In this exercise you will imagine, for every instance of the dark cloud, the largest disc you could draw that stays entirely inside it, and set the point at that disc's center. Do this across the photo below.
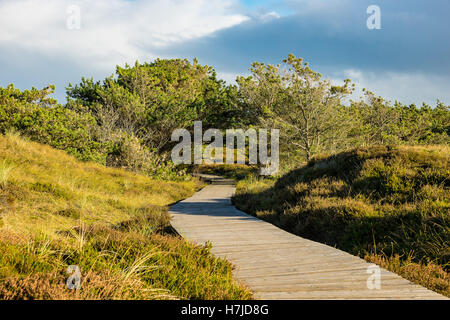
(330, 34)
(414, 38)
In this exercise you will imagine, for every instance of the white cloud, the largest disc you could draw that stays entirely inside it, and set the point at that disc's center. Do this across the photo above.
(406, 87)
(112, 31)
(270, 16)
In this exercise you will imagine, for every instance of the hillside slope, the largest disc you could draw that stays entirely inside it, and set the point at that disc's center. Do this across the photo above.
(56, 211)
(389, 204)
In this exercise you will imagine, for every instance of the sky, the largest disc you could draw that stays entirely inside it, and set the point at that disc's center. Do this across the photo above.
(57, 42)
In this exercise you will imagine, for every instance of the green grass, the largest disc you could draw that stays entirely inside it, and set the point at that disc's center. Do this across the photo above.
(56, 211)
(230, 171)
(5, 171)
(388, 204)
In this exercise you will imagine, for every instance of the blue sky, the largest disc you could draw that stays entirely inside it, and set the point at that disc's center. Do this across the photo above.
(408, 59)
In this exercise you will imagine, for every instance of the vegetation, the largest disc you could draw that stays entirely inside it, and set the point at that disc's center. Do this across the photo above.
(313, 116)
(56, 211)
(35, 115)
(230, 171)
(296, 100)
(368, 176)
(387, 203)
(145, 103)
(127, 119)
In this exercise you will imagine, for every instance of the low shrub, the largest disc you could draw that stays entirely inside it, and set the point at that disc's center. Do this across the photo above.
(375, 200)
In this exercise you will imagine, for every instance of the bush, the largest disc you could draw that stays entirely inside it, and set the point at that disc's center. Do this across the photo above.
(34, 115)
(377, 200)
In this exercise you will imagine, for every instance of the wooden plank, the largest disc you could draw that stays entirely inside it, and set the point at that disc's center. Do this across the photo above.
(276, 264)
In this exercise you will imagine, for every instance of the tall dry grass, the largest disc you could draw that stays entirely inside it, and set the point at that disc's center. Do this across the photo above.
(56, 211)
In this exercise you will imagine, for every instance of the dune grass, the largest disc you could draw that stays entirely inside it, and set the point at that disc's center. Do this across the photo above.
(113, 224)
(387, 204)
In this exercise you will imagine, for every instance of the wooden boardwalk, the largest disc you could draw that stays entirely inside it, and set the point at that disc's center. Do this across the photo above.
(275, 264)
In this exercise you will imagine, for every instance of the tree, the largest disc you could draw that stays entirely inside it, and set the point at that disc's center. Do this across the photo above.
(296, 100)
(377, 118)
(151, 100)
(34, 114)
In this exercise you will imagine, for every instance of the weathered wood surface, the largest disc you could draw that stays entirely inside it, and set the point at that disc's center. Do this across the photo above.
(275, 264)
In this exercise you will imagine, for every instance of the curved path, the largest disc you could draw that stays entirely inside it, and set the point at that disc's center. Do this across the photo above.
(275, 264)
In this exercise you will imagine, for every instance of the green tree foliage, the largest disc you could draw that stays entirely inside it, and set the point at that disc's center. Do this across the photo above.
(295, 99)
(127, 119)
(39, 117)
(151, 100)
(313, 116)
(376, 121)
